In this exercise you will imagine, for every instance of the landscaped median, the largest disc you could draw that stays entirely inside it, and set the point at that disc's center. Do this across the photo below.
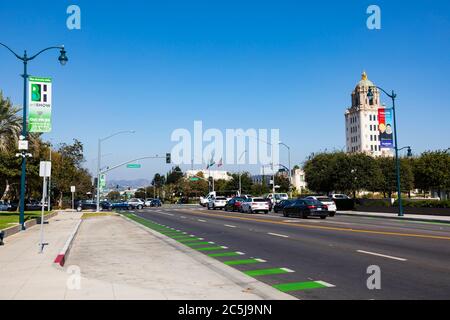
(9, 221)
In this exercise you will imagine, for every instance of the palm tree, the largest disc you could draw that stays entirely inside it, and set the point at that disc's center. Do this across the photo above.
(10, 124)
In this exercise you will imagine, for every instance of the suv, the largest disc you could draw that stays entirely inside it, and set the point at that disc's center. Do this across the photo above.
(252, 205)
(90, 204)
(217, 203)
(136, 203)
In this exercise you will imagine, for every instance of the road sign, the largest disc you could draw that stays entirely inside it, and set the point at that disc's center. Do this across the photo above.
(45, 169)
(133, 166)
(40, 104)
(195, 179)
(72, 188)
(23, 144)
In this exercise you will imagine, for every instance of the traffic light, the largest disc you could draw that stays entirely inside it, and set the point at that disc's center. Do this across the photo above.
(168, 160)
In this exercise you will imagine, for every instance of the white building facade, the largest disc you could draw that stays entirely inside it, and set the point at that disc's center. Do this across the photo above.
(361, 121)
(216, 174)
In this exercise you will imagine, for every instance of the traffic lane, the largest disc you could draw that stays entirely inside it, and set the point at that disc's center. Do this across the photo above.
(414, 248)
(321, 261)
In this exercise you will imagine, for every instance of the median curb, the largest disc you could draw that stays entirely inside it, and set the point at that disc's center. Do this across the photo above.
(246, 282)
(368, 215)
(62, 256)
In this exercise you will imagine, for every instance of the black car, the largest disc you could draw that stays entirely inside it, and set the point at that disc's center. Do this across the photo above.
(34, 205)
(280, 205)
(92, 205)
(155, 203)
(305, 207)
(234, 204)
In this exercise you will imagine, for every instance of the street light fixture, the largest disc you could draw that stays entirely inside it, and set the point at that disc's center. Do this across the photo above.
(393, 95)
(25, 59)
(99, 157)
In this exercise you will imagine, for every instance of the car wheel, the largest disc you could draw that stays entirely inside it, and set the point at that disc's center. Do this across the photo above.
(332, 214)
(130, 208)
(323, 217)
(304, 215)
(139, 207)
(285, 214)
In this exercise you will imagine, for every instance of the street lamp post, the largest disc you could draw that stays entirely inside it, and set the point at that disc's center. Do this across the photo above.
(393, 95)
(99, 161)
(25, 59)
(289, 164)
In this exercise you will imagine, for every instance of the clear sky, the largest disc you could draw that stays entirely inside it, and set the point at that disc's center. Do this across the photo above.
(155, 66)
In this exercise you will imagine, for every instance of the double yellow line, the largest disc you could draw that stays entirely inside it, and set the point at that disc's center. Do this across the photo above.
(412, 235)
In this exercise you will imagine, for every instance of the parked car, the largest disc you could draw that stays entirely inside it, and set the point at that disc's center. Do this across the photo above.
(277, 197)
(328, 202)
(306, 207)
(269, 201)
(280, 205)
(234, 204)
(217, 203)
(92, 205)
(136, 203)
(4, 206)
(34, 205)
(252, 205)
(147, 202)
(339, 196)
(204, 201)
(155, 203)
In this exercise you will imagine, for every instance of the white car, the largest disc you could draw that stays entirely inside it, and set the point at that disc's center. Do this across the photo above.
(326, 201)
(4, 206)
(136, 203)
(277, 197)
(148, 202)
(251, 205)
(217, 203)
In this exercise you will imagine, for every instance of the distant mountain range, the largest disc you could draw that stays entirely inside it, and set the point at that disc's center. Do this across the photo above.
(137, 183)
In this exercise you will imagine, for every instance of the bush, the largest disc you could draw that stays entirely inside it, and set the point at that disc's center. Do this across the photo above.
(424, 204)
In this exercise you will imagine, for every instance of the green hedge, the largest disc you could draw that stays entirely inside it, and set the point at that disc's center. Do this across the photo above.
(424, 204)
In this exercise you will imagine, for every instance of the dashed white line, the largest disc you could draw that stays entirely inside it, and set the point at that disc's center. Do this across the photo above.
(381, 255)
(201, 220)
(278, 235)
(287, 270)
(260, 260)
(326, 284)
(230, 226)
(240, 253)
(223, 247)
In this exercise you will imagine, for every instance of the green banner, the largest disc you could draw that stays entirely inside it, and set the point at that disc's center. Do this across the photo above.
(102, 181)
(39, 104)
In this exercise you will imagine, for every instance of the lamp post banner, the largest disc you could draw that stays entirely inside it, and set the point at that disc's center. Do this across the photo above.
(39, 104)
(386, 128)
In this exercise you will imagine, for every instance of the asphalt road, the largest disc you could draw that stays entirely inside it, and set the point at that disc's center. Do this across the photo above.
(317, 259)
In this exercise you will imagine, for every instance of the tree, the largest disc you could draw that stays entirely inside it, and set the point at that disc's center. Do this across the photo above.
(174, 176)
(387, 182)
(432, 171)
(10, 124)
(114, 195)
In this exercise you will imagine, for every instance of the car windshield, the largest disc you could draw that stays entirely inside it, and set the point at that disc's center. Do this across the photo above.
(324, 199)
(259, 200)
(311, 202)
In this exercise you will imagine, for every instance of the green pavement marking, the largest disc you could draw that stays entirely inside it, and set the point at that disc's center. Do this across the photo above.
(196, 243)
(187, 239)
(209, 248)
(297, 286)
(265, 272)
(180, 237)
(427, 222)
(224, 254)
(240, 262)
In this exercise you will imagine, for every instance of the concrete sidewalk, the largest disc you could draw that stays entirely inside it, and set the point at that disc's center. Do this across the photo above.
(411, 217)
(138, 263)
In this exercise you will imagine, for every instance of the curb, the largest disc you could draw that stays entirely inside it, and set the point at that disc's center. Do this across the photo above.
(391, 218)
(259, 288)
(28, 224)
(64, 253)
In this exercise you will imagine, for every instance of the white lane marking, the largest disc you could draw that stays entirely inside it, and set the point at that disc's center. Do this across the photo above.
(184, 232)
(183, 217)
(240, 253)
(223, 247)
(201, 238)
(201, 220)
(381, 255)
(191, 235)
(287, 270)
(211, 242)
(260, 260)
(278, 235)
(336, 222)
(230, 226)
(326, 284)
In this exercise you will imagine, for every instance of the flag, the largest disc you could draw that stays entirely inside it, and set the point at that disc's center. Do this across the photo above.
(220, 163)
(211, 164)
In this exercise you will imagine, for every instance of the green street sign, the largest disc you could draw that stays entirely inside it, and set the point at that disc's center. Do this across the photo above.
(133, 166)
(195, 179)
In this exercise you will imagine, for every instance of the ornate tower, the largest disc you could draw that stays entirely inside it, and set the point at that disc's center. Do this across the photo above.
(361, 121)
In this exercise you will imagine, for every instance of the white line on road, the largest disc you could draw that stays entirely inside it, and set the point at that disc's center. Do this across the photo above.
(381, 255)
(183, 217)
(230, 226)
(201, 220)
(211, 242)
(223, 247)
(287, 270)
(278, 235)
(260, 260)
(326, 284)
(240, 253)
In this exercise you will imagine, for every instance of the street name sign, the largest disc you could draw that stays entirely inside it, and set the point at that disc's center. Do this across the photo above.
(133, 166)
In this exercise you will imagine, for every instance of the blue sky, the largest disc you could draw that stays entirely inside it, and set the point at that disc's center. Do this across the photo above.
(155, 66)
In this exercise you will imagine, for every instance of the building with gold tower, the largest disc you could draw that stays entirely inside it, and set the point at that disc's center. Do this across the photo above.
(361, 121)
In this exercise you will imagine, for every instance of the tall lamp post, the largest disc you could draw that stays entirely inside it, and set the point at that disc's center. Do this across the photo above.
(393, 96)
(25, 59)
(99, 159)
(289, 164)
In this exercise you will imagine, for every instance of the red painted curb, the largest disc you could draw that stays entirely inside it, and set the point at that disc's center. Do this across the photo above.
(60, 259)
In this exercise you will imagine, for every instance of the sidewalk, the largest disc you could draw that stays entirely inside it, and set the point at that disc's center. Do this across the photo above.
(117, 259)
(410, 217)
